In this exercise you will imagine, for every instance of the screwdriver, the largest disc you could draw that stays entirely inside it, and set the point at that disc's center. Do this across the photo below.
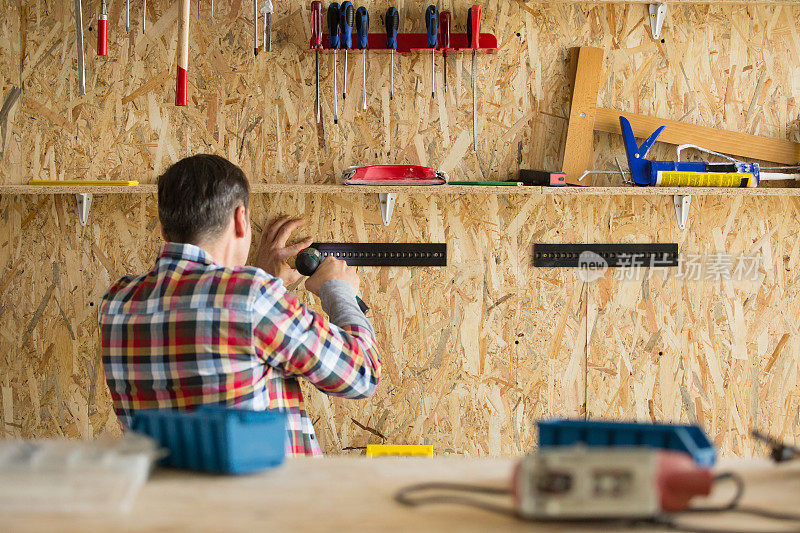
(316, 44)
(346, 23)
(362, 27)
(255, 27)
(127, 15)
(473, 36)
(267, 39)
(102, 30)
(392, 23)
(432, 25)
(333, 42)
(444, 20)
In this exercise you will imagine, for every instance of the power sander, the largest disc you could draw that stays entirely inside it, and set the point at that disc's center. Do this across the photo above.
(307, 262)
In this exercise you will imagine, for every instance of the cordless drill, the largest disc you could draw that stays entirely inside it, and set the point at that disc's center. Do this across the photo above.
(307, 262)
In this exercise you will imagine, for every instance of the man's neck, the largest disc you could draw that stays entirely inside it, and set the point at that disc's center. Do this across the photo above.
(222, 253)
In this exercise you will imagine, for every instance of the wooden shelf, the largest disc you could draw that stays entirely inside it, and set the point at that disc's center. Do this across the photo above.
(293, 188)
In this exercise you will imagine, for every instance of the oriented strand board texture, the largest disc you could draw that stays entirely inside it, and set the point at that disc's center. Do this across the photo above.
(475, 353)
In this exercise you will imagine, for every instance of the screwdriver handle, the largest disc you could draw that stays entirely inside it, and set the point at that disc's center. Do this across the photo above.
(333, 25)
(392, 24)
(362, 27)
(432, 25)
(444, 30)
(474, 26)
(316, 25)
(346, 15)
(102, 31)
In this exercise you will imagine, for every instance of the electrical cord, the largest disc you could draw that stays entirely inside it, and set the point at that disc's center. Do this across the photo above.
(406, 496)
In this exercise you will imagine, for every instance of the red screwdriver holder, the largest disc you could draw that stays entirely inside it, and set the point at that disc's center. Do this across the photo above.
(412, 42)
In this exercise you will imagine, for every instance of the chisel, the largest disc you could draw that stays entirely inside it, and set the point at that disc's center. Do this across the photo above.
(211, 15)
(362, 28)
(346, 29)
(392, 24)
(255, 27)
(144, 16)
(444, 44)
(432, 25)
(333, 43)
(102, 30)
(267, 40)
(473, 36)
(127, 15)
(79, 47)
(181, 81)
(316, 44)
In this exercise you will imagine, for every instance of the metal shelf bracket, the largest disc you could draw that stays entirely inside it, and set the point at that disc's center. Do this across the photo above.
(657, 14)
(84, 201)
(387, 200)
(682, 202)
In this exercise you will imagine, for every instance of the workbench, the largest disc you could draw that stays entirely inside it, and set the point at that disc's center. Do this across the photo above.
(355, 494)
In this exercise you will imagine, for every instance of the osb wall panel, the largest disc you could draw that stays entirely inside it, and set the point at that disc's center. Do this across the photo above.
(732, 67)
(474, 353)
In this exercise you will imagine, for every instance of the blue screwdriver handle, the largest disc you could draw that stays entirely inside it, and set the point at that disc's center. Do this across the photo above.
(346, 14)
(432, 25)
(392, 22)
(362, 27)
(333, 25)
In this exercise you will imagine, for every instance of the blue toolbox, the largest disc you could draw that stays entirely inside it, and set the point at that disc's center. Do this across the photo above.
(684, 438)
(216, 439)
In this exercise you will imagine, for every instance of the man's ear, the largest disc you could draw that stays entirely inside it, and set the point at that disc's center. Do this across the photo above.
(240, 222)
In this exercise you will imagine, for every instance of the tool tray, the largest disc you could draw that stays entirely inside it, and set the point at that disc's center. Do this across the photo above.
(216, 439)
(684, 438)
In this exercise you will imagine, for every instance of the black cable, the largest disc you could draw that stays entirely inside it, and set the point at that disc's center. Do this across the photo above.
(731, 507)
(736, 478)
(403, 496)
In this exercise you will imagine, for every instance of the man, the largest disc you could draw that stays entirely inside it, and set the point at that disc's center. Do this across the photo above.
(203, 328)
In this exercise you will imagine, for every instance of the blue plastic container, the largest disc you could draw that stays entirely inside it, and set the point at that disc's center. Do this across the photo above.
(216, 439)
(684, 438)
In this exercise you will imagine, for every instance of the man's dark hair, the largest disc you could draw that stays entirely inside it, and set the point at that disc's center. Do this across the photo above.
(198, 195)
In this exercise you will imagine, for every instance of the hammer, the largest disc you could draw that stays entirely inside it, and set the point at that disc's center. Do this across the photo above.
(307, 262)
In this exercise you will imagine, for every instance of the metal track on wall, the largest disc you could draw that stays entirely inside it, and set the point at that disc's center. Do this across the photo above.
(605, 255)
(386, 254)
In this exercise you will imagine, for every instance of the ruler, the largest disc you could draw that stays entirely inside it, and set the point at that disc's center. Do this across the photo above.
(385, 254)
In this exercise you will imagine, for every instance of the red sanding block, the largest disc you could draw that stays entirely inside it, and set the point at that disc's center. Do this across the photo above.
(393, 175)
(542, 178)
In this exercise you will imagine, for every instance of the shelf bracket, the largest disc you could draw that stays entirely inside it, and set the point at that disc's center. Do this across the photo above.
(387, 200)
(657, 14)
(682, 202)
(84, 200)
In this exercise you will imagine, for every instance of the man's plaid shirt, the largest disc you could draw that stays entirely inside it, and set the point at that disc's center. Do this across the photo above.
(192, 332)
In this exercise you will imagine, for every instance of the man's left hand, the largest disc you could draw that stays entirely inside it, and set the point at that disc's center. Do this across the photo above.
(273, 254)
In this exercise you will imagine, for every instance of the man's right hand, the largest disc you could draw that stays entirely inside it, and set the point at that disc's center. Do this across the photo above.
(332, 268)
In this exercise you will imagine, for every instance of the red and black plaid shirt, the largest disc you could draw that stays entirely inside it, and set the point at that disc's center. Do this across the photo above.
(192, 332)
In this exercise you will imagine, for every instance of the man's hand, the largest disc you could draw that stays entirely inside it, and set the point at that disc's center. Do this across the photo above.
(332, 268)
(272, 254)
